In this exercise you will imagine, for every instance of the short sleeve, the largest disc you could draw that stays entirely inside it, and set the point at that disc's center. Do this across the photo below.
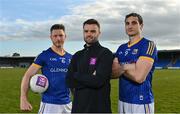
(149, 51)
(39, 60)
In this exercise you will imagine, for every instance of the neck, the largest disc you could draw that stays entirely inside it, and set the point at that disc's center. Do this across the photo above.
(58, 50)
(88, 45)
(133, 39)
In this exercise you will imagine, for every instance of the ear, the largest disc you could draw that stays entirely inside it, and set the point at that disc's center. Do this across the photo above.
(99, 31)
(50, 36)
(141, 26)
(65, 36)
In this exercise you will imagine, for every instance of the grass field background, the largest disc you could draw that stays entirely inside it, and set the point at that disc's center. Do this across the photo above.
(166, 88)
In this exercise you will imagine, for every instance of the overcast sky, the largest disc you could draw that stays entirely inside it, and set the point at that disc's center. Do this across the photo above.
(24, 24)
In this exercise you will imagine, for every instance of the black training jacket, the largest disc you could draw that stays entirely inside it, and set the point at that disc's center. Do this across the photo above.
(91, 92)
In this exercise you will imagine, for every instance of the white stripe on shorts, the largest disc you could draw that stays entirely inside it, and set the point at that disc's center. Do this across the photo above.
(41, 109)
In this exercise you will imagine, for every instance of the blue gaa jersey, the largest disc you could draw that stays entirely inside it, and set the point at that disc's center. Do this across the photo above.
(54, 67)
(129, 91)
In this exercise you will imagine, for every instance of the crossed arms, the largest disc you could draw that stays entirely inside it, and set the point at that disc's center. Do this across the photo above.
(136, 72)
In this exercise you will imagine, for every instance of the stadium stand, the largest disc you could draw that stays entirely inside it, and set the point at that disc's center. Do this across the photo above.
(177, 64)
(11, 62)
(167, 59)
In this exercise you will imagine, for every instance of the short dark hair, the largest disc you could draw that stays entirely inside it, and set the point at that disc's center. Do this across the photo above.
(91, 21)
(57, 26)
(140, 19)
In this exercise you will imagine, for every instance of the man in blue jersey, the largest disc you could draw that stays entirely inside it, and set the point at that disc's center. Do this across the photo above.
(134, 65)
(53, 63)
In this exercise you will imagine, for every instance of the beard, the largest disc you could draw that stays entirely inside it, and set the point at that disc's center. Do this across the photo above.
(90, 40)
(57, 44)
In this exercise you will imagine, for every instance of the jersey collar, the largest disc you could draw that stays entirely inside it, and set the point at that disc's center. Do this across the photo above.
(61, 54)
(130, 45)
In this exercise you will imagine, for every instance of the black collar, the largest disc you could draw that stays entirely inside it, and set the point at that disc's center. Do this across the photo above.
(93, 45)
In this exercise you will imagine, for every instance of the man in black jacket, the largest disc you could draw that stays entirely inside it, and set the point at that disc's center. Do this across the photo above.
(89, 73)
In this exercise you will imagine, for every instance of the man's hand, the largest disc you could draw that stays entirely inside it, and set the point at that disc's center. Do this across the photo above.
(25, 105)
(117, 69)
(94, 73)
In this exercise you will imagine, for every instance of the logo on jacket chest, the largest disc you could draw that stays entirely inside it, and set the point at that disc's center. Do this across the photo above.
(92, 61)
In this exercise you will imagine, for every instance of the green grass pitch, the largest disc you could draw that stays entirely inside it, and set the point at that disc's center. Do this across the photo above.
(166, 88)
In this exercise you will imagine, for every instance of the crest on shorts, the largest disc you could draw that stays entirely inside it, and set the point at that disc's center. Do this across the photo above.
(141, 97)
